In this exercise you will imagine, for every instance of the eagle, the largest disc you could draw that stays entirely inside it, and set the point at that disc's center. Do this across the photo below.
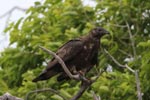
(79, 55)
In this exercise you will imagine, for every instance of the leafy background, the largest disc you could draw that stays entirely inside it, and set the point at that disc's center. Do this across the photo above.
(52, 23)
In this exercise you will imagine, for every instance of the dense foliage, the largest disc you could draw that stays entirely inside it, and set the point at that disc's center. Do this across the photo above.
(52, 23)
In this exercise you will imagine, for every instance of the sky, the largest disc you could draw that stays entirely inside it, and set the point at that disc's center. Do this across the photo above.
(7, 5)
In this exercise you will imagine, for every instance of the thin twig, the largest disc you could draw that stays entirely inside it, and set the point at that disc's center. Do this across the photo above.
(44, 90)
(130, 69)
(131, 39)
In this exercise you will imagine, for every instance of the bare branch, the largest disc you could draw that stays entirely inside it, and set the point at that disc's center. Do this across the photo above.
(44, 90)
(115, 61)
(130, 69)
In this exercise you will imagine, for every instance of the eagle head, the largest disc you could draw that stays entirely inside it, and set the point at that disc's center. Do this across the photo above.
(98, 32)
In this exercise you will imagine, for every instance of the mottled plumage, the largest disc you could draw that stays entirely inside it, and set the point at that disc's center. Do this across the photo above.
(78, 54)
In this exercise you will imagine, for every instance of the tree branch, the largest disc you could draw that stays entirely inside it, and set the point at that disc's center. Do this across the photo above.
(139, 93)
(115, 61)
(84, 86)
(62, 63)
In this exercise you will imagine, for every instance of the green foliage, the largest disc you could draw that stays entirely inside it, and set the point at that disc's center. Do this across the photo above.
(52, 23)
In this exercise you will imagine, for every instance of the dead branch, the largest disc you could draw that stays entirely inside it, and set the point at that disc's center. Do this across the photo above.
(44, 90)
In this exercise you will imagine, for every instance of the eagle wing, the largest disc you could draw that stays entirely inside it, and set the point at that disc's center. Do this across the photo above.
(67, 52)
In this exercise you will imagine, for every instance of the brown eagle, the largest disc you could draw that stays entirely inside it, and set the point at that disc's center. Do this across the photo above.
(78, 54)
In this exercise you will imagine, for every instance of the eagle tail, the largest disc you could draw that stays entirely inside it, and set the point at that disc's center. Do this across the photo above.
(62, 77)
(45, 75)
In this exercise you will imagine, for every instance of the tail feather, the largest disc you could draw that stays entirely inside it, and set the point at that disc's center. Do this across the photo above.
(45, 75)
(62, 77)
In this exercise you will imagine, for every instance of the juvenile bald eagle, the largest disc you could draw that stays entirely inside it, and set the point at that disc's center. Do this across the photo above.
(78, 54)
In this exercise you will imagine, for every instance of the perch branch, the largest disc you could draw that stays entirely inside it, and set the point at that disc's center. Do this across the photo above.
(43, 90)
(84, 86)
(139, 93)
(77, 77)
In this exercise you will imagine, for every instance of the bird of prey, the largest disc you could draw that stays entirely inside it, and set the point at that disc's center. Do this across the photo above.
(79, 54)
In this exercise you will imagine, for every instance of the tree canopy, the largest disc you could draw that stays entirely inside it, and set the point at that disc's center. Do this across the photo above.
(53, 22)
